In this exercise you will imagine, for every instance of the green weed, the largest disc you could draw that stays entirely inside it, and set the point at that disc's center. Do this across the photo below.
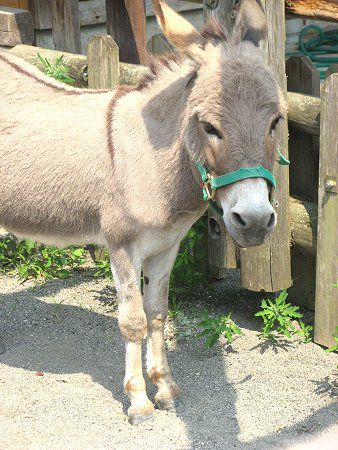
(32, 260)
(56, 69)
(278, 315)
(187, 273)
(103, 269)
(215, 327)
(306, 331)
(334, 347)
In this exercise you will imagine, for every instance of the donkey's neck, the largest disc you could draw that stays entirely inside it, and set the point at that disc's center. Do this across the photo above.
(146, 133)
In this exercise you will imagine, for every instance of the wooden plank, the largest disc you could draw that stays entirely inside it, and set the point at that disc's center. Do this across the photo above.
(103, 63)
(221, 249)
(304, 222)
(16, 27)
(319, 9)
(129, 73)
(126, 23)
(93, 12)
(326, 312)
(268, 267)
(22, 4)
(66, 25)
(158, 44)
(177, 5)
(304, 113)
(76, 63)
(303, 77)
(41, 11)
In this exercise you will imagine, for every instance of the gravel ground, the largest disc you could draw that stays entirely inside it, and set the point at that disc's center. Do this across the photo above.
(61, 372)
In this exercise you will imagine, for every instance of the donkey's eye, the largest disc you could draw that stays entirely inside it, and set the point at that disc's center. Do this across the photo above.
(273, 125)
(211, 130)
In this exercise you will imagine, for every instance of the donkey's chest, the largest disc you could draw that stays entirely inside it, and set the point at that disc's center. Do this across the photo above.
(156, 240)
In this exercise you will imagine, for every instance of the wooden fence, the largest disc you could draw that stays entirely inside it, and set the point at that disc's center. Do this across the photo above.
(306, 220)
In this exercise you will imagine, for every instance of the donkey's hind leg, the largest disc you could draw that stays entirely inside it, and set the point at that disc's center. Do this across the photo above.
(133, 325)
(156, 272)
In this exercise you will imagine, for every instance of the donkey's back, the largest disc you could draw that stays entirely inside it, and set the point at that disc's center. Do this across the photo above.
(54, 155)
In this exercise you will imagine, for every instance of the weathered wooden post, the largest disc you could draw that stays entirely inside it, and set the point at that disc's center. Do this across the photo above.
(103, 73)
(268, 267)
(221, 250)
(66, 25)
(326, 315)
(303, 77)
(103, 63)
(126, 23)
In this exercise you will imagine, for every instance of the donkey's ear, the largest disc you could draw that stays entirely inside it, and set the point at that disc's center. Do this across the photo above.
(179, 31)
(250, 22)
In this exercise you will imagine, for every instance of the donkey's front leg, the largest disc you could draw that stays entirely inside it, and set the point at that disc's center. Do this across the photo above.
(133, 325)
(156, 272)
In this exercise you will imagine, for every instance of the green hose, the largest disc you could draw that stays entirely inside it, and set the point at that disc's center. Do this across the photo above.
(318, 47)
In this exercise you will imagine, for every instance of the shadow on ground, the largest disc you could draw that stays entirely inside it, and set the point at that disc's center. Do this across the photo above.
(63, 339)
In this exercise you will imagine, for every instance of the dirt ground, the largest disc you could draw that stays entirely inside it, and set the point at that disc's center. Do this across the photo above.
(249, 396)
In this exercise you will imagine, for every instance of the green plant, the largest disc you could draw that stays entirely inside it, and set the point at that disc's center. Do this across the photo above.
(214, 327)
(306, 331)
(277, 316)
(32, 260)
(334, 347)
(187, 271)
(175, 308)
(103, 269)
(56, 69)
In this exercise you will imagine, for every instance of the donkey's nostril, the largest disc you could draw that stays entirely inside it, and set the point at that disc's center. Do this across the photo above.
(272, 221)
(238, 220)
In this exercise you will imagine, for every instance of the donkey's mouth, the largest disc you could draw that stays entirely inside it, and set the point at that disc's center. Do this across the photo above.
(248, 238)
(247, 212)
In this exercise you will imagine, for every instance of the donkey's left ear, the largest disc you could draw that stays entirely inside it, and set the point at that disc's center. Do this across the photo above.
(250, 22)
(179, 31)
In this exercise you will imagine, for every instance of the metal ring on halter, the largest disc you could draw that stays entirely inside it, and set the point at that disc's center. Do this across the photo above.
(210, 192)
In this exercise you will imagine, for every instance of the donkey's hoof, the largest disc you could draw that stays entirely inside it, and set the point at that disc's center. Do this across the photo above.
(168, 404)
(137, 419)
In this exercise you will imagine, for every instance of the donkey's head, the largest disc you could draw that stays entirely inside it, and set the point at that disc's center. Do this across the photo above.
(231, 115)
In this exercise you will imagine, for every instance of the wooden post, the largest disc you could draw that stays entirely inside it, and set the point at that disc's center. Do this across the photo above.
(326, 313)
(103, 73)
(41, 11)
(319, 9)
(66, 25)
(16, 27)
(268, 267)
(103, 63)
(221, 250)
(158, 45)
(303, 77)
(126, 23)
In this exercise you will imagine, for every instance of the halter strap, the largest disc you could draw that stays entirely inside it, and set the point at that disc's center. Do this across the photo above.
(211, 183)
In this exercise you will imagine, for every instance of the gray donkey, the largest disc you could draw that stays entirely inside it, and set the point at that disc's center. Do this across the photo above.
(128, 168)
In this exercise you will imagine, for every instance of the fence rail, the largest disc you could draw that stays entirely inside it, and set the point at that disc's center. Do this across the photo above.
(306, 114)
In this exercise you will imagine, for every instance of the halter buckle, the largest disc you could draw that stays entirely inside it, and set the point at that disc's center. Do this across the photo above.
(208, 191)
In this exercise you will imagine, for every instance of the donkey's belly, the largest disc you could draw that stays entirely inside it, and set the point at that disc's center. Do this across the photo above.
(47, 214)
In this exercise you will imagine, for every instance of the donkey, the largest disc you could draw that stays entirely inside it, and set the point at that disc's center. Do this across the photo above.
(126, 168)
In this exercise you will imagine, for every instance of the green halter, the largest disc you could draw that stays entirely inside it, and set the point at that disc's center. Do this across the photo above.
(211, 183)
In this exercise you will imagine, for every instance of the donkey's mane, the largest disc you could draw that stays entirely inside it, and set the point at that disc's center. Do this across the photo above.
(156, 66)
(213, 31)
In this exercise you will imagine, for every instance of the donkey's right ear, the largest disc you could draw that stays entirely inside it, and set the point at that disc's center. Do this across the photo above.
(250, 23)
(179, 31)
